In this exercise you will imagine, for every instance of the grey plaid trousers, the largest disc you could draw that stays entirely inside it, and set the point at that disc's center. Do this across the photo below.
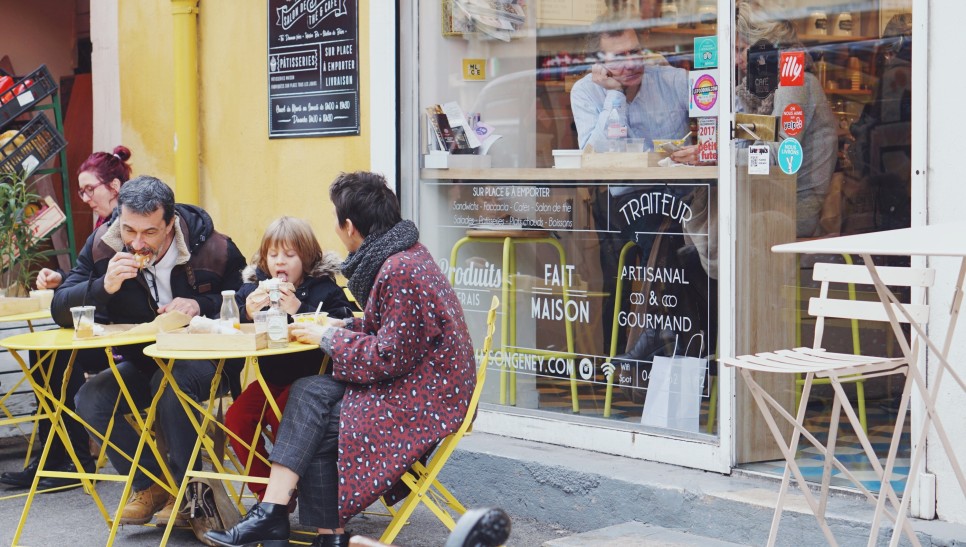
(308, 444)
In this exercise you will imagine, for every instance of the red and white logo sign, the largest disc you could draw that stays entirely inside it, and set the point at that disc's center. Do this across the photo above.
(793, 120)
(791, 68)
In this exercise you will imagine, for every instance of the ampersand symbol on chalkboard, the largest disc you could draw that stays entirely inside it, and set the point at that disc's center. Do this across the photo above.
(653, 299)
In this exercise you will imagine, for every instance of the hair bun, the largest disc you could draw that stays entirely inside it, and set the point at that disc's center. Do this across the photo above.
(122, 152)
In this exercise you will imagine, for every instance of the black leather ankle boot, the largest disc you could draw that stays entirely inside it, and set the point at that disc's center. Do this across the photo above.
(331, 540)
(265, 523)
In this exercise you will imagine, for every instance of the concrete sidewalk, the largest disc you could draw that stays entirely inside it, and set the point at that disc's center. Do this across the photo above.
(558, 497)
(585, 491)
(71, 518)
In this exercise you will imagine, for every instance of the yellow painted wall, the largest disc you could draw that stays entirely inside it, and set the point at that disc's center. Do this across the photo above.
(247, 179)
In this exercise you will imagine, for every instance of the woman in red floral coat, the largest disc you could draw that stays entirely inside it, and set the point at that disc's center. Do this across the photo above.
(406, 368)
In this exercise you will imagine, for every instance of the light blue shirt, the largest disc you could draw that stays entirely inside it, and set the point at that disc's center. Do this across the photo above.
(658, 111)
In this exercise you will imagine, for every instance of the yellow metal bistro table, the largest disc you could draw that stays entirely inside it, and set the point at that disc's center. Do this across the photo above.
(47, 344)
(165, 360)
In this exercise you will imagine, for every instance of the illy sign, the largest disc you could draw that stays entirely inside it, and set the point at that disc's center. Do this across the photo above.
(791, 68)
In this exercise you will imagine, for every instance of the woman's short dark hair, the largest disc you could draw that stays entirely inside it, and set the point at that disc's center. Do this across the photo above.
(144, 195)
(366, 199)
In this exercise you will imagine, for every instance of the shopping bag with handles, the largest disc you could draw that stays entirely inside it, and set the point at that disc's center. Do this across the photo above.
(674, 391)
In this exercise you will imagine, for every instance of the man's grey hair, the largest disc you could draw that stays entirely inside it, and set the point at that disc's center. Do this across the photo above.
(144, 195)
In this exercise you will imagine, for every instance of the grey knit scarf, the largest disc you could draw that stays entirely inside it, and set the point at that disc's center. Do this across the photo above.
(362, 266)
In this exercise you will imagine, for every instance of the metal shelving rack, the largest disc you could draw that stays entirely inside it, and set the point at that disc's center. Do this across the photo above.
(41, 142)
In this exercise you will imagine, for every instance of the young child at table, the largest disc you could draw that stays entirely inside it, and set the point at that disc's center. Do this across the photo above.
(290, 252)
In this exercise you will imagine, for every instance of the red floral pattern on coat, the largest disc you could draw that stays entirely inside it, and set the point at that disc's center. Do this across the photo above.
(410, 373)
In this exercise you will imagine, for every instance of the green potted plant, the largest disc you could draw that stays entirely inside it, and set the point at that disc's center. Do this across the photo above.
(21, 255)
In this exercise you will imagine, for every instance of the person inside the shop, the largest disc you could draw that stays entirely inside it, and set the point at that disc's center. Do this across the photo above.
(402, 378)
(650, 96)
(651, 100)
(189, 264)
(818, 137)
(99, 180)
(289, 252)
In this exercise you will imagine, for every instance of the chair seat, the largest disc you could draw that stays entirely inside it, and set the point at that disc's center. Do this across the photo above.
(818, 361)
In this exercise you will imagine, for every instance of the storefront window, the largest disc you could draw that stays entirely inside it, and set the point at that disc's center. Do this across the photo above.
(569, 166)
(574, 205)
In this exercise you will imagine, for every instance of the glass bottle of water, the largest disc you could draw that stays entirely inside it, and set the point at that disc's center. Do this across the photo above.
(616, 132)
(277, 320)
(229, 310)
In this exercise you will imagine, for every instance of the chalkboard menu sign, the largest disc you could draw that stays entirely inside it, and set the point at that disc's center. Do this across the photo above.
(313, 68)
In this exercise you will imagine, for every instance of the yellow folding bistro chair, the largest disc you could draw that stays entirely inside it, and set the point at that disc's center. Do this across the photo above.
(422, 480)
(7, 417)
(840, 368)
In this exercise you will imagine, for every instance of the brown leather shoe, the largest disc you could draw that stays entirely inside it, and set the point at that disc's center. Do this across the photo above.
(143, 504)
(162, 517)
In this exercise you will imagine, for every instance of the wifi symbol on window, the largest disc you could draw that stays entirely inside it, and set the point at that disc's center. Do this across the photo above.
(608, 369)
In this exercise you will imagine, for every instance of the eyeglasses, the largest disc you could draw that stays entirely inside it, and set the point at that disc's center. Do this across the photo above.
(88, 191)
(615, 59)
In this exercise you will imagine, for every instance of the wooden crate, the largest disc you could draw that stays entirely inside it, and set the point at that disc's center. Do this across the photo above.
(181, 340)
(17, 305)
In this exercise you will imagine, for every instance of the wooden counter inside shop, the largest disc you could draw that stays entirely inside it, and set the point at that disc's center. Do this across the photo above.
(537, 174)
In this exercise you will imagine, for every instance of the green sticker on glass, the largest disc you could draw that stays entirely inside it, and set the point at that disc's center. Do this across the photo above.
(706, 52)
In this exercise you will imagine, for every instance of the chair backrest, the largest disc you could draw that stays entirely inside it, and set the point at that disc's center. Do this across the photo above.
(481, 368)
(352, 298)
(825, 306)
(448, 444)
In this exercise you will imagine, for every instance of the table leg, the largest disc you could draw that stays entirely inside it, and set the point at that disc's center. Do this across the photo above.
(929, 394)
(145, 425)
(190, 406)
(11, 420)
(52, 407)
(44, 400)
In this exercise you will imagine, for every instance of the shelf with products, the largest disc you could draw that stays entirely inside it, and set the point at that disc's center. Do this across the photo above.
(30, 139)
(856, 94)
(525, 174)
(832, 39)
(700, 30)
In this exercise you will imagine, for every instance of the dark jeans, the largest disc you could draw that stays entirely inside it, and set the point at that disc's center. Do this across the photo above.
(308, 444)
(96, 401)
(89, 360)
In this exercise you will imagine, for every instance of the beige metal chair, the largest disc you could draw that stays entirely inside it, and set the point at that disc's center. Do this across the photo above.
(838, 368)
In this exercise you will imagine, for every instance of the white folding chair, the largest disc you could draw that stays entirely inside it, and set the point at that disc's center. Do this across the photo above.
(839, 368)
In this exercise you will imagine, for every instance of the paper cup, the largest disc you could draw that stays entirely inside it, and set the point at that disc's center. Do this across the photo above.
(83, 321)
(261, 322)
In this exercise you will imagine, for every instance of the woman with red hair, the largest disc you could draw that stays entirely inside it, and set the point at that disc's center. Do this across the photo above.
(99, 179)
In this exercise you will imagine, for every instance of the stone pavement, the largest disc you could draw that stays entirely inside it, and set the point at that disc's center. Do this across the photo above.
(71, 518)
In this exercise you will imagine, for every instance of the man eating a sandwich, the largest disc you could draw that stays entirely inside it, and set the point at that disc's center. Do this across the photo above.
(153, 257)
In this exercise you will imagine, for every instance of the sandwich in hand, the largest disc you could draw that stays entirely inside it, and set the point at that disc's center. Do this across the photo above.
(143, 256)
(275, 283)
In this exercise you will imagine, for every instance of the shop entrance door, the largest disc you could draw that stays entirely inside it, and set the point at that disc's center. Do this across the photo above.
(822, 102)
